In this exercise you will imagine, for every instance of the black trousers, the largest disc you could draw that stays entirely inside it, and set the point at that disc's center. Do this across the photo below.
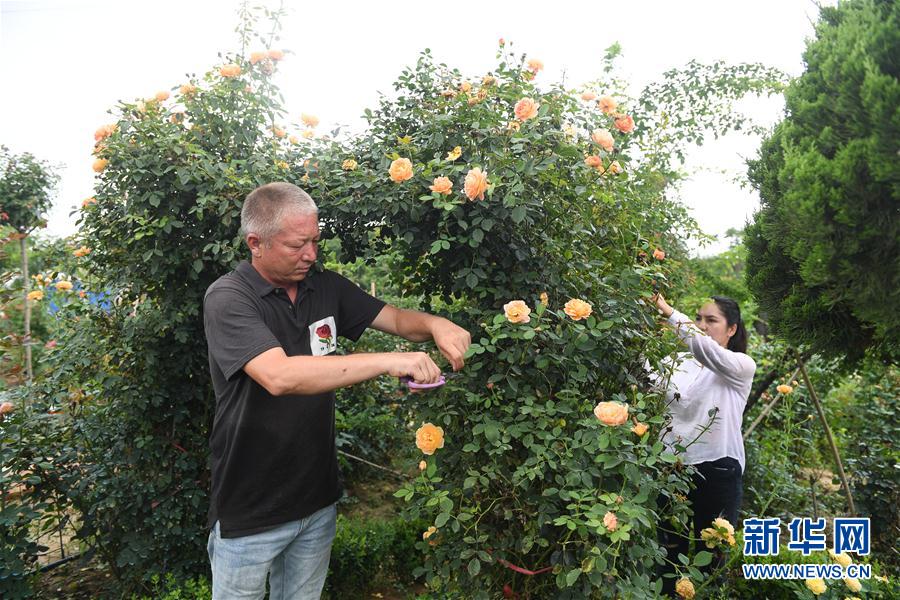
(718, 492)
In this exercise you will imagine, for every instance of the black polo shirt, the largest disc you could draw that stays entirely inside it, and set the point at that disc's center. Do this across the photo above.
(273, 458)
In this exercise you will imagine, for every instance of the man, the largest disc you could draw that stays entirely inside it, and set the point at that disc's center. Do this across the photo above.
(271, 328)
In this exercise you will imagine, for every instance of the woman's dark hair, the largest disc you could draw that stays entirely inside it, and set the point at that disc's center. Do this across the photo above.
(732, 312)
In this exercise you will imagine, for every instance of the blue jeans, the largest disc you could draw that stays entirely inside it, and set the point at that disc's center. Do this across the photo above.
(295, 556)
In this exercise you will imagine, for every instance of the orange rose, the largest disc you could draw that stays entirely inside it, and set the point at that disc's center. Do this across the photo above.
(88, 201)
(256, 57)
(465, 87)
(63, 286)
(535, 65)
(429, 438)
(448, 93)
(610, 521)
(278, 131)
(603, 138)
(230, 70)
(99, 165)
(640, 429)
(162, 96)
(659, 254)
(294, 139)
(309, 120)
(442, 185)
(593, 161)
(614, 167)
(6, 408)
(625, 123)
(35, 295)
(454, 154)
(517, 311)
(187, 89)
(83, 251)
(429, 532)
(308, 134)
(488, 80)
(784, 389)
(611, 413)
(513, 126)
(82, 294)
(349, 165)
(577, 309)
(276, 55)
(401, 170)
(422, 465)
(588, 96)
(104, 132)
(685, 588)
(476, 184)
(544, 298)
(606, 104)
(525, 109)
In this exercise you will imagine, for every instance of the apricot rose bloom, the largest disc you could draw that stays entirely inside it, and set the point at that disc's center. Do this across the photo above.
(577, 309)
(610, 521)
(685, 588)
(99, 165)
(278, 131)
(309, 120)
(256, 57)
(36, 295)
(816, 585)
(525, 109)
(441, 185)
(401, 170)
(624, 123)
(513, 126)
(852, 584)
(465, 87)
(659, 254)
(454, 154)
(517, 311)
(83, 251)
(535, 65)
(588, 96)
(429, 532)
(349, 165)
(603, 138)
(640, 429)
(276, 54)
(476, 184)
(104, 131)
(611, 413)
(63, 286)
(606, 104)
(162, 96)
(545, 299)
(187, 89)
(422, 465)
(6, 408)
(842, 559)
(230, 70)
(429, 438)
(88, 201)
(784, 389)
(593, 161)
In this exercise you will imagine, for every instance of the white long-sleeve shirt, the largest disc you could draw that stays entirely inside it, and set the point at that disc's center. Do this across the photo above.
(708, 377)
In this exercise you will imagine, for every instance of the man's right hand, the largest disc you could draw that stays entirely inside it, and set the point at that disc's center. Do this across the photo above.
(417, 365)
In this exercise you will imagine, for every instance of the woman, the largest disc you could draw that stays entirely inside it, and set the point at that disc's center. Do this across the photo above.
(716, 376)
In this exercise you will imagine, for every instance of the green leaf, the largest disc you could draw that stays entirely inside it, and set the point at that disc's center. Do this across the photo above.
(518, 214)
(572, 576)
(474, 567)
(702, 558)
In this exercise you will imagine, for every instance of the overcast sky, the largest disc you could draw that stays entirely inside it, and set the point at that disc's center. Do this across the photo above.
(65, 64)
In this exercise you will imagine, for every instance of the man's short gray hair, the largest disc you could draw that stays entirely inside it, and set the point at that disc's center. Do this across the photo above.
(266, 206)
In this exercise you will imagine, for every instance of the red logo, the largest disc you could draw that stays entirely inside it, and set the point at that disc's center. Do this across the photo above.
(324, 332)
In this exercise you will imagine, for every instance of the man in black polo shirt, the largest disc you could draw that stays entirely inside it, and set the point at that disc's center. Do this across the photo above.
(271, 328)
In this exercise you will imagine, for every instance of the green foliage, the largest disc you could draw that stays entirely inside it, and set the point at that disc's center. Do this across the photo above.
(367, 553)
(171, 588)
(823, 248)
(25, 186)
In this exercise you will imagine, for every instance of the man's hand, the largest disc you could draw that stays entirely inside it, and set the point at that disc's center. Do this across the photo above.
(452, 340)
(417, 365)
(662, 305)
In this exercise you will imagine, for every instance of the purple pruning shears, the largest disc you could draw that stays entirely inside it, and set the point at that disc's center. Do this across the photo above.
(408, 382)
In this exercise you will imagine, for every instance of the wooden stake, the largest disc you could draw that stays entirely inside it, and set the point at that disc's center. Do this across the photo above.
(834, 450)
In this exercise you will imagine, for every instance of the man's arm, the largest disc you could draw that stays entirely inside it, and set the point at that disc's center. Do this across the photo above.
(451, 339)
(283, 375)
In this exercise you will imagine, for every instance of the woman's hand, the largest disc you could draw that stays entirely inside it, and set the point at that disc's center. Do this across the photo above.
(661, 305)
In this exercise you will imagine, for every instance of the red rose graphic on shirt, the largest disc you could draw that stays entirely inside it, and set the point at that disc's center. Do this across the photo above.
(324, 333)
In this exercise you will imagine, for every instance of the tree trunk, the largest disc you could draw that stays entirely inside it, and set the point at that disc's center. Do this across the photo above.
(23, 245)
